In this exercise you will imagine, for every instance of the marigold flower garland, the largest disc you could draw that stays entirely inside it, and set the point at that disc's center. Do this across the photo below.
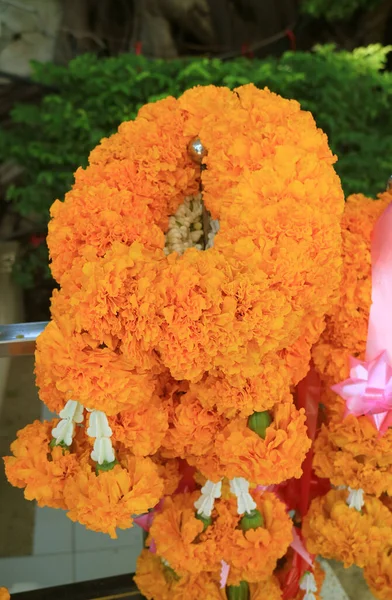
(350, 451)
(378, 574)
(191, 255)
(354, 525)
(333, 529)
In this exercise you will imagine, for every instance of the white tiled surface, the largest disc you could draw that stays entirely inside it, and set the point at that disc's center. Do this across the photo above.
(37, 571)
(46, 415)
(52, 532)
(86, 540)
(66, 552)
(105, 563)
(332, 590)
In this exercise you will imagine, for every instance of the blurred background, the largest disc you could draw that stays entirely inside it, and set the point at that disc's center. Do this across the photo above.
(70, 72)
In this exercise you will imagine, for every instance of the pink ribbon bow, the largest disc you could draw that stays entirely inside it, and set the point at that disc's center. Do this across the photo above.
(368, 390)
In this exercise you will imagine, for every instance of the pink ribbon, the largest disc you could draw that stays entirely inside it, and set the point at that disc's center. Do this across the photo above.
(145, 521)
(298, 546)
(225, 569)
(368, 390)
(380, 318)
(273, 487)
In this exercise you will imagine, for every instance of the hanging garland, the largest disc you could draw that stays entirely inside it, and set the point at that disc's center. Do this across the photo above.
(197, 256)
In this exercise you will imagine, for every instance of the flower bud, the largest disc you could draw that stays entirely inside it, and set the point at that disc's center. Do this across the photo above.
(259, 421)
(252, 520)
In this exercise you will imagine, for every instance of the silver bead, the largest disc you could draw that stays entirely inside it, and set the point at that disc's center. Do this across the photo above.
(196, 150)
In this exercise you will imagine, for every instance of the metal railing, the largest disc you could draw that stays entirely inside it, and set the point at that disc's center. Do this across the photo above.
(18, 339)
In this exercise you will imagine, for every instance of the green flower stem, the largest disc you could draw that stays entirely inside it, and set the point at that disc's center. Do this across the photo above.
(106, 466)
(238, 592)
(205, 520)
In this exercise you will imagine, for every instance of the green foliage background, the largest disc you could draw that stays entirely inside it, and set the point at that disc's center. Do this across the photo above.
(349, 94)
(336, 10)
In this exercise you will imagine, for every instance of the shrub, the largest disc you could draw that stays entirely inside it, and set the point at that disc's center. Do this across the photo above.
(336, 10)
(348, 93)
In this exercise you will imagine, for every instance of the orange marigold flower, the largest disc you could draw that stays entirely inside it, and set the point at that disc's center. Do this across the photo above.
(157, 581)
(253, 554)
(73, 365)
(336, 531)
(142, 429)
(103, 297)
(352, 453)
(298, 356)
(136, 178)
(209, 465)
(179, 537)
(169, 471)
(233, 398)
(266, 589)
(243, 453)
(106, 501)
(378, 574)
(41, 470)
(192, 428)
(97, 216)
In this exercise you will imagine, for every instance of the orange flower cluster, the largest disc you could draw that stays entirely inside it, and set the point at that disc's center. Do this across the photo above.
(349, 450)
(158, 581)
(378, 574)
(66, 478)
(236, 451)
(181, 357)
(252, 555)
(334, 530)
(273, 459)
(41, 470)
(353, 453)
(345, 334)
(107, 501)
(240, 317)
